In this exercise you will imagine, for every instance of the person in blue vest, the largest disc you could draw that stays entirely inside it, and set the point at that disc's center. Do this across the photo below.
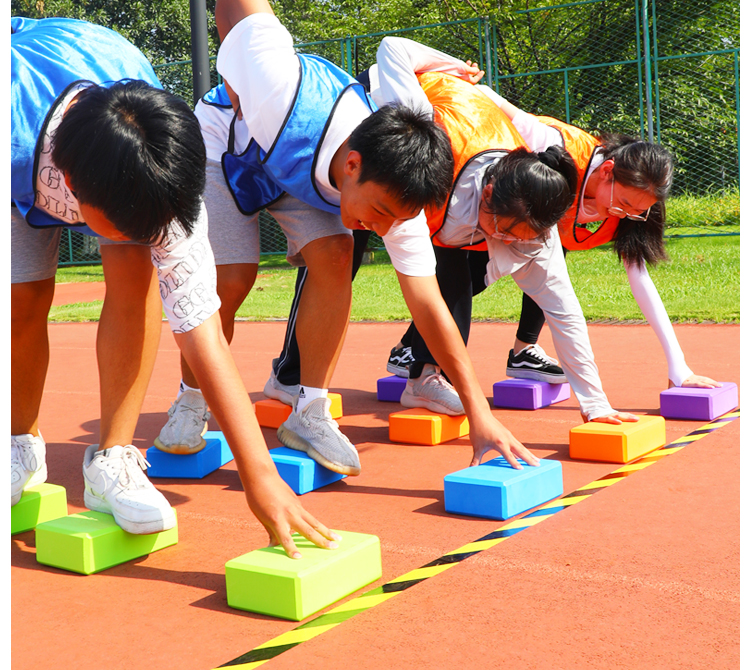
(317, 137)
(99, 146)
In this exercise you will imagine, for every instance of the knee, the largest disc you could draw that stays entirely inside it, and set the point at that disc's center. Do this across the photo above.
(31, 302)
(233, 283)
(333, 253)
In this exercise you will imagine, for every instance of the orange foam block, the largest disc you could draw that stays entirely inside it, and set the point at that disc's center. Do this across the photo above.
(617, 443)
(421, 426)
(272, 413)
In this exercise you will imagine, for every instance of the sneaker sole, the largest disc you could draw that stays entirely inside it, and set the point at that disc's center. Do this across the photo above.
(39, 477)
(397, 370)
(179, 449)
(290, 439)
(536, 376)
(96, 504)
(411, 401)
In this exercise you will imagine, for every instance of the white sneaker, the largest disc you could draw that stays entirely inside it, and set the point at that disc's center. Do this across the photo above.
(28, 464)
(315, 432)
(116, 484)
(275, 389)
(432, 391)
(183, 432)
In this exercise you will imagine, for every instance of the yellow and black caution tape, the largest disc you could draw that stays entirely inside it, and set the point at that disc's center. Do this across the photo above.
(307, 631)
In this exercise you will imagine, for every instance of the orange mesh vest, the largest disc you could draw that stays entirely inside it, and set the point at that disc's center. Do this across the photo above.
(474, 125)
(580, 145)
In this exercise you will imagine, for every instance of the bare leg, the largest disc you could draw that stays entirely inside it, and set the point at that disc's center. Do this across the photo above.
(30, 305)
(127, 339)
(233, 283)
(324, 308)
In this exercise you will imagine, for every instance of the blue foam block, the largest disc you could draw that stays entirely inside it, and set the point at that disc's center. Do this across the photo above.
(528, 393)
(494, 490)
(301, 472)
(191, 466)
(391, 388)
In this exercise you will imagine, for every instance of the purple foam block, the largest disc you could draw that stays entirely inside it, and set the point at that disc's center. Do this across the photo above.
(391, 388)
(698, 404)
(528, 394)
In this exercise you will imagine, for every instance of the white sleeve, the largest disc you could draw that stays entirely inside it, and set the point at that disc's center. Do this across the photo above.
(187, 276)
(648, 299)
(537, 135)
(399, 61)
(258, 60)
(546, 280)
(410, 248)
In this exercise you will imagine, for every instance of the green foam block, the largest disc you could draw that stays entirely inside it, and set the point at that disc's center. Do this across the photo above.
(38, 504)
(266, 581)
(89, 542)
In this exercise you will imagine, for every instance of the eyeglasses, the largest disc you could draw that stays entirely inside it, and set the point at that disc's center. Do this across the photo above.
(620, 213)
(505, 237)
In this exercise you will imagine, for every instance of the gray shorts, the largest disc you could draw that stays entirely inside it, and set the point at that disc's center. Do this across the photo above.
(235, 238)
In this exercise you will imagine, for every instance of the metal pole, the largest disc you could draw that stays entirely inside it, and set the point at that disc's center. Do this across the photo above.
(647, 64)
(567, 97)
(737, 104)
(488, 57)
(199, 44)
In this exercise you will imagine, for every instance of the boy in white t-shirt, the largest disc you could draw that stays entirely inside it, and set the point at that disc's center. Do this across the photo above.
(97, 144)
(317, 136)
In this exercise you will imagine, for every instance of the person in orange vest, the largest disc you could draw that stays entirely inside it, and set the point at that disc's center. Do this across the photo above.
(622, 182)
(499, 218)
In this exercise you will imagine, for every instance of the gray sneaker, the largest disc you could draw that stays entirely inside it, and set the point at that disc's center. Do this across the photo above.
(183, 433)
(432, 391)
(275, 389)
(317, 434)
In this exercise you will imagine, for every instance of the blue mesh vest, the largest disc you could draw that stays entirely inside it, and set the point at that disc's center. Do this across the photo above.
(48, 56)
(257, 178)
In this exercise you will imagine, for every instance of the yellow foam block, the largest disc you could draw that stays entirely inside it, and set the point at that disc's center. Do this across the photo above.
(272, 413)
(421, 426)
(617, 443)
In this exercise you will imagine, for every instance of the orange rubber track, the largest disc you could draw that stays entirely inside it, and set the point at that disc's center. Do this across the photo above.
(644, 574)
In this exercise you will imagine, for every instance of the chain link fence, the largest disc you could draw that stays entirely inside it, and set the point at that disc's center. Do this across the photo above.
(663, 70)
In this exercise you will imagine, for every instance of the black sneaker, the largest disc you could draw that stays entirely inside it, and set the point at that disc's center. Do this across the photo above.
(532, 363)
(399, 361)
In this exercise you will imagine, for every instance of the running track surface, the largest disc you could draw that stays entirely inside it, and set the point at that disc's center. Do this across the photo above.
(644, 574)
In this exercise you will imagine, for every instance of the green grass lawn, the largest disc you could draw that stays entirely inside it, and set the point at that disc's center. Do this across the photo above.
(700, 282)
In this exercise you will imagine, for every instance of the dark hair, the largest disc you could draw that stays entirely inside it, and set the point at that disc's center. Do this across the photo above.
(407, 153)
(136, 153)
(532, 188)
(647, 167)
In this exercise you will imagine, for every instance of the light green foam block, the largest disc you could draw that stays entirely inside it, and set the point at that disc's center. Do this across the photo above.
(38, 504)
(267, 581)
(89, 542)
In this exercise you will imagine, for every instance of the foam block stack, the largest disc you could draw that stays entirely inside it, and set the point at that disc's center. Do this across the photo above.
(698, 404)
(267, 581)
(191, 466)
(528, 394)
(617, 443)
(89, 542)
(38, 504)
(272, 413)
(301, 472)
(495, 490)
(421, 426)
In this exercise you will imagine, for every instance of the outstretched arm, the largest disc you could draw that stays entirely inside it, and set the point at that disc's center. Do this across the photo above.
(440, 333)
(206, 350)
(648, 299)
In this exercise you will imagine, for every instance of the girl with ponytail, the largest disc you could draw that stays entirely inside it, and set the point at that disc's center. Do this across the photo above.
(500, 219)
(623, 185)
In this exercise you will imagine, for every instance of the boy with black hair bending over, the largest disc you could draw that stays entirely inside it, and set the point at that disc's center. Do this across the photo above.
(97, 144)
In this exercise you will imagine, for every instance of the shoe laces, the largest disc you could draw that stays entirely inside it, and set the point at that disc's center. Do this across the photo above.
(322, 419)
(182, 405)
(437, 378)
(22, 453)
(537, 352)
(132, 464)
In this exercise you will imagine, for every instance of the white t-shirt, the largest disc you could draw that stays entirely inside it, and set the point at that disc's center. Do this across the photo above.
(258, 60)
(215, 123)
(184, 265)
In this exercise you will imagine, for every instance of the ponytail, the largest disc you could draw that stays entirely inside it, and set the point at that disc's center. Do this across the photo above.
(533, 188)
